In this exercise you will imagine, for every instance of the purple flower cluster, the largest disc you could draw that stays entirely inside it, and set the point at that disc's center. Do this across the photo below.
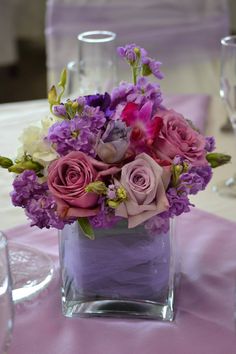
(196, 179)
(178, 201)
(77, 134)
(33, 196)
(133, 54)
(140, 93)
(210, 143)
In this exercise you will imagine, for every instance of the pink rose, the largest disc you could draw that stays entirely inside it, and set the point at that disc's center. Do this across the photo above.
(144, 183)
(177, 137)
(67, 178)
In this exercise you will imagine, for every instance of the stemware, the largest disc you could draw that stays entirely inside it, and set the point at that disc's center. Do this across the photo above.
(228, 94)
(95, 70)
(6, 304)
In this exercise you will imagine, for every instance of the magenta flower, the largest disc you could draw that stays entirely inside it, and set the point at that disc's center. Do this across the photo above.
(144, 128)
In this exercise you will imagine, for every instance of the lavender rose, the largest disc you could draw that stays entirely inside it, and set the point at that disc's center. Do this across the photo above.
(177, 137)
(144, 182)
(67, 179)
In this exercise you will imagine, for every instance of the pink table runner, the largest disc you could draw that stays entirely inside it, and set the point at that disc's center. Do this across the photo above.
(206, 297)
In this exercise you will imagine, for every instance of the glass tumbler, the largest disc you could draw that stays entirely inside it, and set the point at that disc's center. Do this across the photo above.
(95, 71)
(6, 304)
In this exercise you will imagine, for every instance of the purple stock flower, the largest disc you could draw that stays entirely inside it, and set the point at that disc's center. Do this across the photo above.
(25, 186)
(178, 201)
(78, 134)
(154, 67)
(129, 52)
(59, 110)
(140, 93)
(196, 179)
(71, 135)
(210, 143)
(33, 196)
(145, 91)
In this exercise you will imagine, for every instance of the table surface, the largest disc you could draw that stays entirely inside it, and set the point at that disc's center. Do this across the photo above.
(205, 317)
(15, 116)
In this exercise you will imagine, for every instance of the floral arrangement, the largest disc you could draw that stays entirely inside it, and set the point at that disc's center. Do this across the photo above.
(103, 157)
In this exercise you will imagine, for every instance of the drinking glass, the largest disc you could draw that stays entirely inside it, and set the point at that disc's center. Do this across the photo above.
(6, 304)
(228, 94)
(95, 70)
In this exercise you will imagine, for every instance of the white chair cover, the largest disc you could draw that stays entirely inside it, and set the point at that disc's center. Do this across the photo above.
(182, 34)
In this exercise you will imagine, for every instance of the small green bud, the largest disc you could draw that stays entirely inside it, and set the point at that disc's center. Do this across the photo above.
(63, 79)
(121, 193)
(137, 51)
(113, 203)
(25, 165)
(75, 105)
(52, 95)
(5, 162)
(97, 187)
(146, 71)
(217, 159)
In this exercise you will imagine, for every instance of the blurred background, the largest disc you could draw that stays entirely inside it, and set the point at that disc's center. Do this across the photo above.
(38, 38)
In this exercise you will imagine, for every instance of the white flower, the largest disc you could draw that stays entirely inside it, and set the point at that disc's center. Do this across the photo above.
(34, 143)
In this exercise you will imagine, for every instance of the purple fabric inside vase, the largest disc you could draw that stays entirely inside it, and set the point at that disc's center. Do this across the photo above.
(120, 263)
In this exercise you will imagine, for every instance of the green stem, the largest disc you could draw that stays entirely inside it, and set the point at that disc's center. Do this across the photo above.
(134, 74)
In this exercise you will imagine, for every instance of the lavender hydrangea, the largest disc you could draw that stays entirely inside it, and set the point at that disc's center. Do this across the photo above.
(33, 196)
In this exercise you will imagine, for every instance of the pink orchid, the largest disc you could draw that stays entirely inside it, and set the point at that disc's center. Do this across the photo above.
(144, 127)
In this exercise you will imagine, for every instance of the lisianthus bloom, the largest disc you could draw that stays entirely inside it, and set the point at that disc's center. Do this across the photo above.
(67, 180)
(144, 128)
(146, 197)
(177, 137)
(33, 141)
(114, 142)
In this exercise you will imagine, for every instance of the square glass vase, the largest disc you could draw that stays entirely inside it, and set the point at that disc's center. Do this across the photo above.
(127, 273)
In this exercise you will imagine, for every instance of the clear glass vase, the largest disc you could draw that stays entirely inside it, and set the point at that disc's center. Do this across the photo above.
(121, 273)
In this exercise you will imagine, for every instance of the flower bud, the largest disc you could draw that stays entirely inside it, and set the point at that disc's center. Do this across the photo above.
(52, 95)
(97, 187)
(217, 159)
(25, 165)
(5, 162)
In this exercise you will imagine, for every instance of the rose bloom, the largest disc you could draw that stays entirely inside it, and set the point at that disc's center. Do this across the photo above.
(67, 178)
(144, 182)
(177, 137)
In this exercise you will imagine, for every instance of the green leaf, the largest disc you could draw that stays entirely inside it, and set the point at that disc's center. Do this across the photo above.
(86, 228)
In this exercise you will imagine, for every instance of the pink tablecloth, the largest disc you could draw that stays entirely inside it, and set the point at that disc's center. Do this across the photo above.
(204, 321)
